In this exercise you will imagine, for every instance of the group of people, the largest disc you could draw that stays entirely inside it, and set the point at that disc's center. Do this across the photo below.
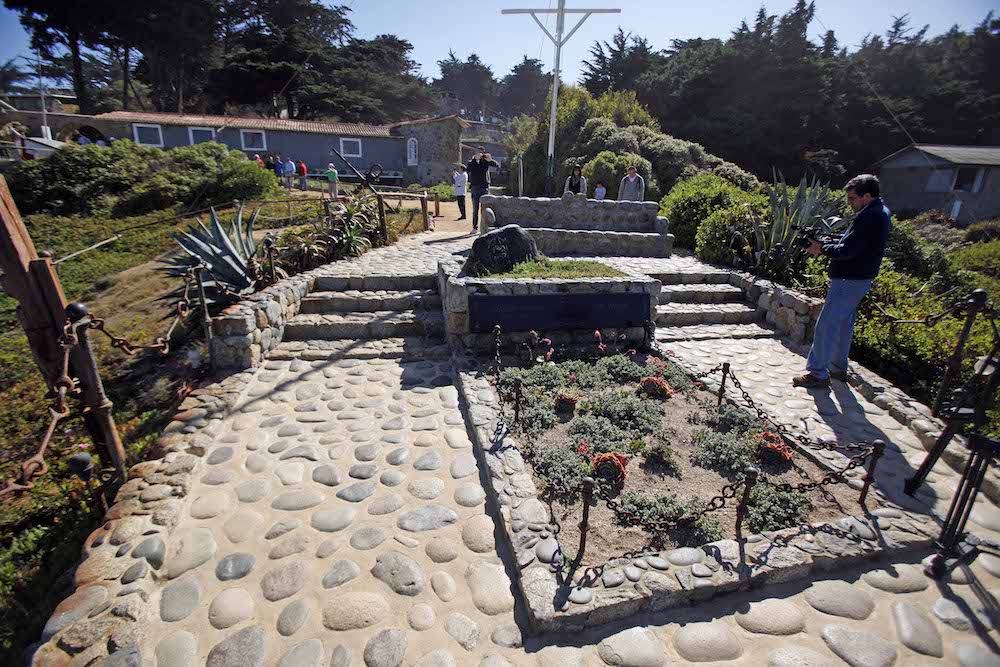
(287, 170)
(631, 188)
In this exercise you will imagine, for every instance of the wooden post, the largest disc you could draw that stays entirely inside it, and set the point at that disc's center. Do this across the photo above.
(384, 226)
(423, 211)
(437, 205)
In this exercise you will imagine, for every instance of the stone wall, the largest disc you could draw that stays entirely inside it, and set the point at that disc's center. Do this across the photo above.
(560, 242)
(577, 212)
(792, 313)
(455, 291)
(438, 151)
(244, 333)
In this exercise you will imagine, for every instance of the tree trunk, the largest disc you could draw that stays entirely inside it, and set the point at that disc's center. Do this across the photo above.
(125, 77)
(79, 85)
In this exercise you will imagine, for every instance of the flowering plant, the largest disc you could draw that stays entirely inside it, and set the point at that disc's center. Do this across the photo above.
(770, 445)
(565, 402)
(655, 387)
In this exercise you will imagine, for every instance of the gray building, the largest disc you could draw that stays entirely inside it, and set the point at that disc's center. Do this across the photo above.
(961, 181)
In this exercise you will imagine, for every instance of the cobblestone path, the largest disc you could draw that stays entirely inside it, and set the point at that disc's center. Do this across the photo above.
(337, 517)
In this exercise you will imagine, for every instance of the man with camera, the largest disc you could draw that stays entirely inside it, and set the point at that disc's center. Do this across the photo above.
(479, 180)
(854, 262)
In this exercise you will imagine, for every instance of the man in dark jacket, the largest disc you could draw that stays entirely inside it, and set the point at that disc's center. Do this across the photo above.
(854, 263)
(479, 180)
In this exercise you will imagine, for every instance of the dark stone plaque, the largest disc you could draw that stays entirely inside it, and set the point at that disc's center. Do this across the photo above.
(546, 312)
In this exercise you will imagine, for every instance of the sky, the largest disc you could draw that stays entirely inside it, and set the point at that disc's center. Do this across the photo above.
(435, 27)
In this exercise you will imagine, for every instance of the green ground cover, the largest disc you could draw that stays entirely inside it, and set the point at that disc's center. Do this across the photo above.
(560, 268)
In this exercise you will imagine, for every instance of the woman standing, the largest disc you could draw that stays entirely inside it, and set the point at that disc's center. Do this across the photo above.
(576, 183)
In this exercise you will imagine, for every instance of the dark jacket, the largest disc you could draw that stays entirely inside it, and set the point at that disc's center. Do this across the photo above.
(479, 172)
(859, 253)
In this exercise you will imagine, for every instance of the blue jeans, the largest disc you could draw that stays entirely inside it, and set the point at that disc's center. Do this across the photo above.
(477, 192)
(835, 328)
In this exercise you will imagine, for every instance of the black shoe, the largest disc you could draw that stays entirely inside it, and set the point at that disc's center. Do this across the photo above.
(461, 217)
(839, 375)
(810, 381)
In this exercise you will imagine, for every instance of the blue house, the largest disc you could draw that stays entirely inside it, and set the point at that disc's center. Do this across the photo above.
(422, 151)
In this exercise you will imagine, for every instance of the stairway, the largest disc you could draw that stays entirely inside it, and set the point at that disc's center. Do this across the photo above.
(386, 317)
(696, 306)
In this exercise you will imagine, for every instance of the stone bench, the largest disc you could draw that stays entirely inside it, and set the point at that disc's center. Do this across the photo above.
(575, 225)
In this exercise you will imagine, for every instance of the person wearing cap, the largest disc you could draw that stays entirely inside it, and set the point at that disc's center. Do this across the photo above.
(332, 181)
(479, 180)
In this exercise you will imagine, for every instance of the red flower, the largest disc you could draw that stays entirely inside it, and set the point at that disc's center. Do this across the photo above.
(583, 449)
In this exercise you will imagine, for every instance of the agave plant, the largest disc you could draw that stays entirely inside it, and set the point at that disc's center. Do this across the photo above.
(774, 250)
(229, 259)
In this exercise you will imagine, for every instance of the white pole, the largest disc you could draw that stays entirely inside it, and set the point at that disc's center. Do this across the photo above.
(520, 175)
(560, 24)
(46, 132)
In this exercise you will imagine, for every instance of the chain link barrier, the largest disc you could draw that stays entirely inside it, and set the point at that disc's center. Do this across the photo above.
(36, 466)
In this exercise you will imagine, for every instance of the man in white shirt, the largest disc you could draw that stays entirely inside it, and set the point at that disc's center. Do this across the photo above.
(460, 180)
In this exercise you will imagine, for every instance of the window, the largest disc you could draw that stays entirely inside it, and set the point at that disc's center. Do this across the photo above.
(148, 135)
(350, 147)
(199, 135)
(253, 140)
(969, 179)
(411, 152)
(940, 180)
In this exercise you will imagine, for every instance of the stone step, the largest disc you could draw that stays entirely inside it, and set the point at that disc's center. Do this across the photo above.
(701, 293)
(366, 302)
(572, 242)
(710, 276)
(385, 348)
(372, 283)
(687, 314)
(707, 331)
(376, 324)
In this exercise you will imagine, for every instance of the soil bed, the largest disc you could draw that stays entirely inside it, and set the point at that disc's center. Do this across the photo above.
(553, 443)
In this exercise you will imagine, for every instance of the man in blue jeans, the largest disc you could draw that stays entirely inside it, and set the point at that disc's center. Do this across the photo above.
(479, 180)
(854, 263)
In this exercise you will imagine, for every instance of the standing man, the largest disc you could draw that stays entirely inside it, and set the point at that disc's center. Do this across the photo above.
(332, 181)
(632, 187)
(479, 180)
(289, 173)
(460, 180)
(854, 263)
(279, 168)
(303, 174)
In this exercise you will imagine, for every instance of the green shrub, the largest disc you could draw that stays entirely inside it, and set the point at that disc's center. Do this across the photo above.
(728, 453)
(987, 230)
(621, 368)
(584, 374)
(601, 134)
(127, 179)
(562, 468)
(936, 227)
(661, 455)
(609, 168)
(744, 180)
(716, 241)
(910, 254)
(625, 410)
(770, 508)
(692, 200)
(729, 418)
(983, 257)
(600, 434)
(667, 508)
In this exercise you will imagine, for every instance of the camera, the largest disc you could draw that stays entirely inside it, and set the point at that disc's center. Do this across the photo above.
(806, 235)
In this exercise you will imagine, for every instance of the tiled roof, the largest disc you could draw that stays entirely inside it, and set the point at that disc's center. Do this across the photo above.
(196, 120)
(434, 119)
(980, 155)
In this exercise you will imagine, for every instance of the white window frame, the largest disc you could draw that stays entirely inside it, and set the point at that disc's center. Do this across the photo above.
(414, 160)
(977, 182)
(263, 138)
(191, 131)
(343, 151)
(135, 133)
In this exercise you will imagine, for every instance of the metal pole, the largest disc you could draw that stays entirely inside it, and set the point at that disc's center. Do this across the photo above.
(560, 23)
(975, 304)
(722, 385)
(588, 494)
(98, 419)
(741, 509)
(520, 176)
(878, 449)
(46, 132)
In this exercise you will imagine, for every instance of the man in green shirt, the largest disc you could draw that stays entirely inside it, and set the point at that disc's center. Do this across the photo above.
(332, 181)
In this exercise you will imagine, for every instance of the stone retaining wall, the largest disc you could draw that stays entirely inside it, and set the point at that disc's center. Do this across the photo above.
(244, 333)
(108, 607)
(556, 242)
(455, 291)
(576, 212)
(792, 313)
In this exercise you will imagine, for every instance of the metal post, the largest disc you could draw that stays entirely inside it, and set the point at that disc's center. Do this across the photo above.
(983, 450)
(520, 175)
(588, 495)
(383, 226)
(977, 301)
(878, 449)
(518, 398)
(98, 419)
(206, 318)
(741, 510)
(911, 485)
(722, 385)
(437, 205)
(423, 212)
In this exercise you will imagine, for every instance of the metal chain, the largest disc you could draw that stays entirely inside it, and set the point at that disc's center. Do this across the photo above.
(700, 376)
(35, 466)
(162, 344)
(729, 491)
(836, 477)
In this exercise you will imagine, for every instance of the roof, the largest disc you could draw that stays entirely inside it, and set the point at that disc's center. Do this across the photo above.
(435, 119)
(198, 120)
(981, 155)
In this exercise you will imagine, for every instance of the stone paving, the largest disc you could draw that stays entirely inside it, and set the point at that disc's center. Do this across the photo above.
(337, 517)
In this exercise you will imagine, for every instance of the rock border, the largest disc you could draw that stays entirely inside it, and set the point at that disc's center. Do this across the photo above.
(660, 580)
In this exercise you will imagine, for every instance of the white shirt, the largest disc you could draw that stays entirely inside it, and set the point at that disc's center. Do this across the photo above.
(461, 180)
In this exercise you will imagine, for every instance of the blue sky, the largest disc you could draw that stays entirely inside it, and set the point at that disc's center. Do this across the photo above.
(434, 27)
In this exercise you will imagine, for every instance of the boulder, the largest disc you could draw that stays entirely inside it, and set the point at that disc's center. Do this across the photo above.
(499, 250)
